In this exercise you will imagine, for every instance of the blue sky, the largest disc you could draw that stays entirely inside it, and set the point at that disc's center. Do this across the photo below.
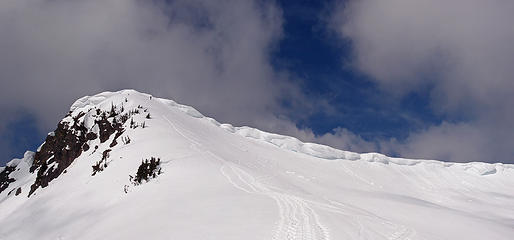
(368, 75)
(317, 56)
(20, 135)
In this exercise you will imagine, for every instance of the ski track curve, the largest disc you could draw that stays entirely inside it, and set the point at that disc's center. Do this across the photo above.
(297, 218)
(400, 232)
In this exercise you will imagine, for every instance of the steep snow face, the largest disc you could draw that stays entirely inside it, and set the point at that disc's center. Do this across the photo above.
(126, 165)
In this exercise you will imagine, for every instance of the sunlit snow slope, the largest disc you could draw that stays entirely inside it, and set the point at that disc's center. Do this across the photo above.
(223, 182)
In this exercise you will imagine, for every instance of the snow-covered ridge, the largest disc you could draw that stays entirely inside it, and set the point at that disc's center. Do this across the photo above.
(293, 144)
(166, 171)
(27, 159)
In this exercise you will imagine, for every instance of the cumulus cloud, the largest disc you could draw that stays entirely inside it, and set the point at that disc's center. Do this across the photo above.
(460, 51)
(213, 55)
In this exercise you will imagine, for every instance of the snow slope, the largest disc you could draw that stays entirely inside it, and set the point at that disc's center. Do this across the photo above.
(225, 182)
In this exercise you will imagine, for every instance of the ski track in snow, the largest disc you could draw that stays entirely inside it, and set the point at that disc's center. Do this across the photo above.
(297, 219)
(401, 232)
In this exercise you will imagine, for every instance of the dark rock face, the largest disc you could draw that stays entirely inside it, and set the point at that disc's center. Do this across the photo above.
(4, 178)
(71, 138)
(58, 152)
(69, 141)
(107, 128)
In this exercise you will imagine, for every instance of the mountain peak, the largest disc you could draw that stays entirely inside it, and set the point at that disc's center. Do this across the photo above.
(118, 157)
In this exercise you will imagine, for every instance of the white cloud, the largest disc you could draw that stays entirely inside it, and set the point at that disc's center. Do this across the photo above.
(213, 55)
(461, 50)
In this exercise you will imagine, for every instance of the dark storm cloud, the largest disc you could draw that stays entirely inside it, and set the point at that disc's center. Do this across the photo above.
(461, 50)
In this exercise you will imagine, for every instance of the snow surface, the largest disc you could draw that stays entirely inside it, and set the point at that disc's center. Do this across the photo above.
(226, 182)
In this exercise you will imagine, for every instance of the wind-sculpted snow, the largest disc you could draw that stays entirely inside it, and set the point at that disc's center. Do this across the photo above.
(210, 180)
(293, 144)
(18, 174)
(329, 153)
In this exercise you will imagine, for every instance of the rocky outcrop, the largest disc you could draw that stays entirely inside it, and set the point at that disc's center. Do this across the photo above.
(70, 140)
(88, 127)
(59, 150)
(5, 180)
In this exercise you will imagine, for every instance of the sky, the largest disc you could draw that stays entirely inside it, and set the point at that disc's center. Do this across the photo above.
(427, 79)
